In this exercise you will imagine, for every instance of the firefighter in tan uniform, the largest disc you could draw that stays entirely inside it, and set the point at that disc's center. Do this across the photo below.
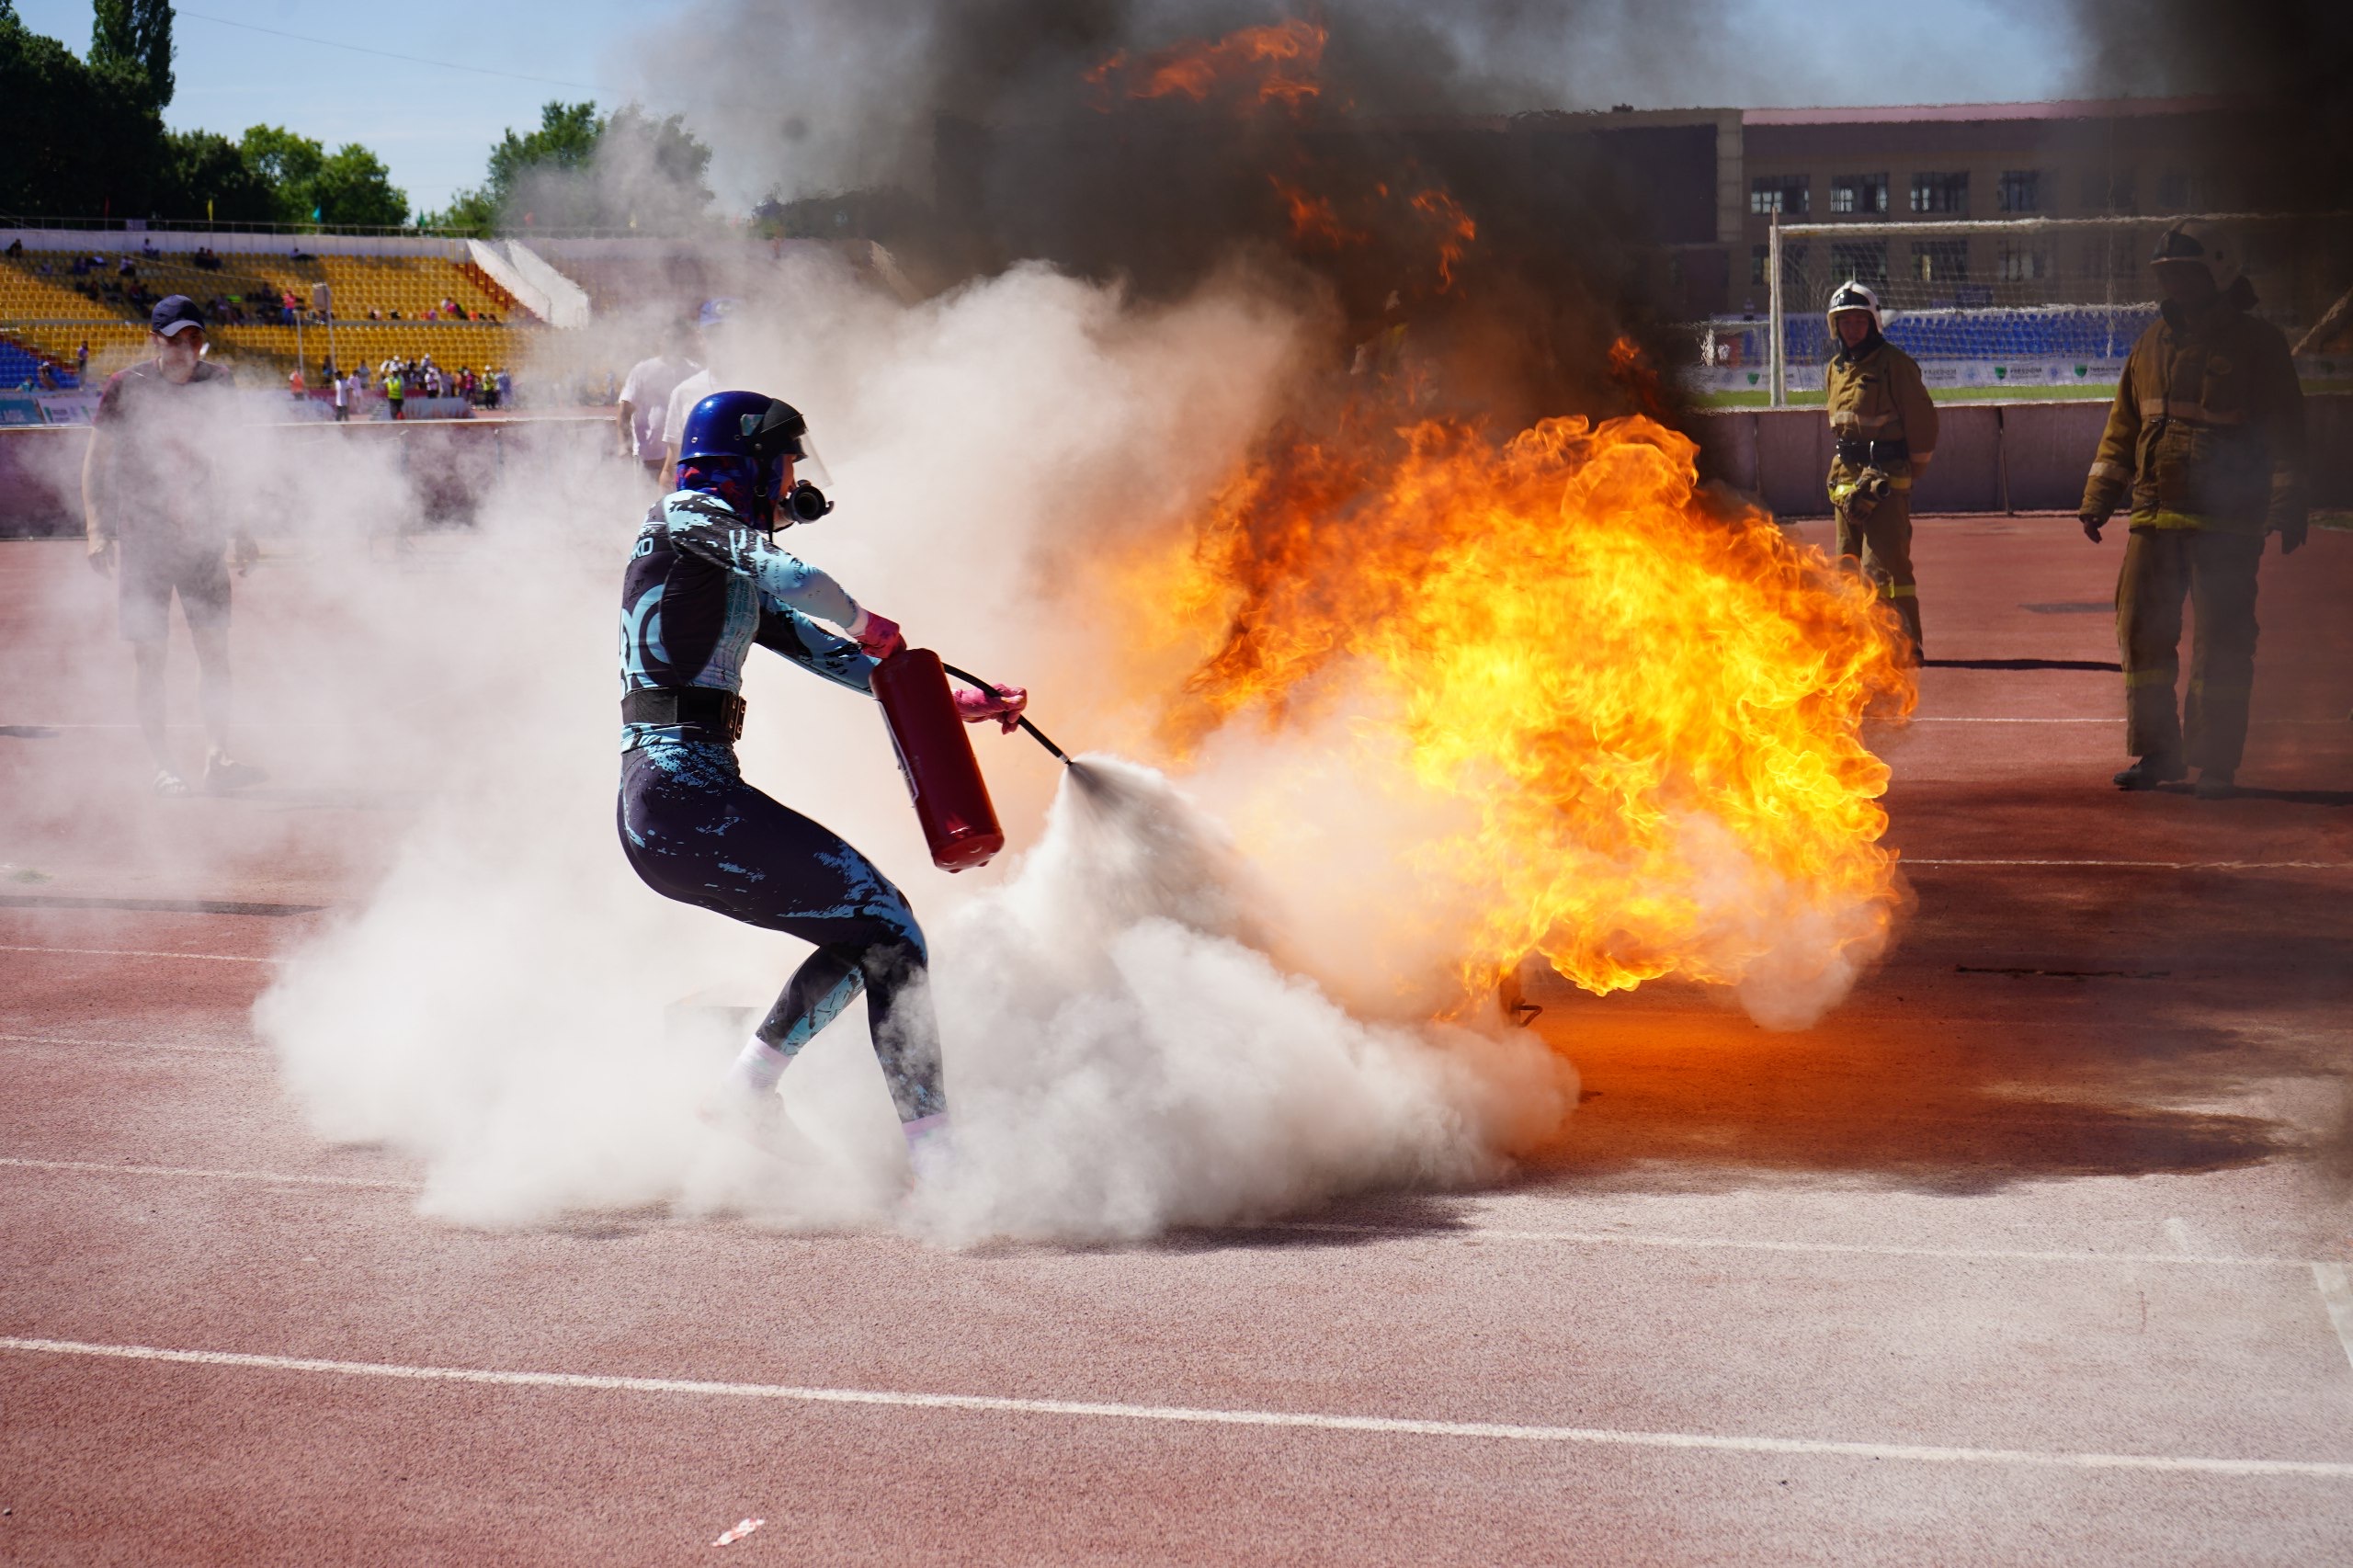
(2207, 440)
(1884, 428)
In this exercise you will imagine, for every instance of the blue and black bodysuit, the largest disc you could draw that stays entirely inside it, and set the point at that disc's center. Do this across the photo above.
(702, 587)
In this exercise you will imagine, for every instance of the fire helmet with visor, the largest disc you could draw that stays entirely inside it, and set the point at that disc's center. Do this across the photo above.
(735, 445)
(2194, 244)
(1852, 295)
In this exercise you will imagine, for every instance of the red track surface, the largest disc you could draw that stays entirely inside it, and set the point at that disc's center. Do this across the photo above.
(2063, 1186)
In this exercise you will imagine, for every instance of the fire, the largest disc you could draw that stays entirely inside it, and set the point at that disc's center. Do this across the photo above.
(1648, 701)
(1452, 231)
(1274, 64)
(1313, 218)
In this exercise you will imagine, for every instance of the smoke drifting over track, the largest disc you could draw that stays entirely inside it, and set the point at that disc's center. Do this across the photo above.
(1206, 311)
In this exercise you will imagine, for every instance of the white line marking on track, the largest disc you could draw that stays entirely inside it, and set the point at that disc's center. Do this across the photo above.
(101, 1168)
(135, 953)
(133, 1045)
(2336, 1294)
(1194, 1416)
(1734, 1244)
(2160, 865)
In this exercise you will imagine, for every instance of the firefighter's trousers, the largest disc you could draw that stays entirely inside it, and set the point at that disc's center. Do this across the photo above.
(2215, 571)
(1883, 542)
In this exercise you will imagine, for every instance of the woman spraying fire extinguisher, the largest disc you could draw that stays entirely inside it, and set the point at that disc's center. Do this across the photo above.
(705, 582)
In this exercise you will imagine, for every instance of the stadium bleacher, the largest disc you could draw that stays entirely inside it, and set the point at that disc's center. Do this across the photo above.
(46, 310)
(2057, 332)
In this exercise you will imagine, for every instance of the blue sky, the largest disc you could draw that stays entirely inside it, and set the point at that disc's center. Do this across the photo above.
(434, 124)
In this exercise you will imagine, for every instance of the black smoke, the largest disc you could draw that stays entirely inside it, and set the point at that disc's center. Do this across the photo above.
(971, 136)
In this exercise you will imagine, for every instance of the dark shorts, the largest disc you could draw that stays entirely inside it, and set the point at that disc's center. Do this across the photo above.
(697, 833)
(147, 571)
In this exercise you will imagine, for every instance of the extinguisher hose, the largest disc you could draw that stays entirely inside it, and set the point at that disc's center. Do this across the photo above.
(968, 678)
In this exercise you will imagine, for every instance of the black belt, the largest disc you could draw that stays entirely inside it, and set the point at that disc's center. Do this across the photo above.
(1868, 453)
(699, 714)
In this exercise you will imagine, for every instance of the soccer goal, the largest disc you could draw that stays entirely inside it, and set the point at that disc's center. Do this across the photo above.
(2029, 307)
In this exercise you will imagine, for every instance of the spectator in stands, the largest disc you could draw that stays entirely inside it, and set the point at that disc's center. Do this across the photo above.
(16, 248)
(153, 500)
(642, 419)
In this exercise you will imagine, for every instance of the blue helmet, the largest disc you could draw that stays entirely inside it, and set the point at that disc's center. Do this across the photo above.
(736, 443)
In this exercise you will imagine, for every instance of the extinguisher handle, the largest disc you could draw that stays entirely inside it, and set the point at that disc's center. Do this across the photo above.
(968, 678)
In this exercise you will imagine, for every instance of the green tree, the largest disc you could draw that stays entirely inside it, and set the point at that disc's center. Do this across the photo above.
(581, 169)
(205, 176)
(352, 187)
(81, 143)
(132, 39)
(286, 164)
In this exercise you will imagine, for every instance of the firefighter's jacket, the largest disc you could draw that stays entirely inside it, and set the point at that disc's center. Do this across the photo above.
(1878, 395)
(2208, 426)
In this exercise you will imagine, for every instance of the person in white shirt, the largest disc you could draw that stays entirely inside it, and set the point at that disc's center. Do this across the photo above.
(711, 322)
(342, 398)
(642, 420)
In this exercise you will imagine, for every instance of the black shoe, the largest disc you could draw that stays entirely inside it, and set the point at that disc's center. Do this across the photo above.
(2150, 772)
(221, 775)
(2213, 784)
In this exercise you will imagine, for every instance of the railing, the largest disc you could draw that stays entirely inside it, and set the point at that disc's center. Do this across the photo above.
(51, 224)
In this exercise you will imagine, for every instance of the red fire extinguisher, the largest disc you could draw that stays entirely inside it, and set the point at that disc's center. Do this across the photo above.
(935, 759)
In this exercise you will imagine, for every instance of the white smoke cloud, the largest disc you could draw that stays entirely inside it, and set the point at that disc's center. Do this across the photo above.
(1130, 1042)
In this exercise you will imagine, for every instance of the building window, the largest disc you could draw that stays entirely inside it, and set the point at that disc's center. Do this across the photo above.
(1786, 194)
(1865, 262)
(1940, 261)
(2019, 264)
(2108, 192)
(1761, 262)
(2020, 190)
(1859, 193)
(1941, 193)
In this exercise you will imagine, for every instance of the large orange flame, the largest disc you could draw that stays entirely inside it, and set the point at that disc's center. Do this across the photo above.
(1648, 700)
(1274, 64)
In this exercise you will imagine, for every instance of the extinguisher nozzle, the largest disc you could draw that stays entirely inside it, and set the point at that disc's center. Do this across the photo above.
(1035, 733)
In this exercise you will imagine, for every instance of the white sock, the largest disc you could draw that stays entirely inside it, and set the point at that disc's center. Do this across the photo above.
(757, 1067)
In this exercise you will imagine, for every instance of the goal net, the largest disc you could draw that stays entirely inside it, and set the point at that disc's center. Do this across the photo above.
(2034, 307)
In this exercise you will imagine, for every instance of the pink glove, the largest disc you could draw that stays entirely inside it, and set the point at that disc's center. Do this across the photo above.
(1003, 703)
(877, 634)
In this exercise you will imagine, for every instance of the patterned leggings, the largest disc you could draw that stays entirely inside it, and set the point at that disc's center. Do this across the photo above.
(697, 833)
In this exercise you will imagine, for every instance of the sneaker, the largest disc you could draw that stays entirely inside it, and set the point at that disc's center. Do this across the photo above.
(169, 785)
(2213, 784)
(927, 1139)
(749, 1116)
(221, 775)
(2150, 772)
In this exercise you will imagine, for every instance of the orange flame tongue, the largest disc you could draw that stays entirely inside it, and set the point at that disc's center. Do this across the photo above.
(1650, 709)
(1274, 65)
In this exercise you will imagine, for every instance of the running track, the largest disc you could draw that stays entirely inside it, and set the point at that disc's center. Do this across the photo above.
(2036, 1251)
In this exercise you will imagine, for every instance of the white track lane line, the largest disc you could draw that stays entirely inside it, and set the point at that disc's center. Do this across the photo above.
(2336, 1294)
(135, 953)
(1468, 1234)
(2326, 1469)
(98, 1167)
(254, 1050)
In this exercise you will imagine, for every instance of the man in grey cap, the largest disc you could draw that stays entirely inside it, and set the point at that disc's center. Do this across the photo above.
(153, 507)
